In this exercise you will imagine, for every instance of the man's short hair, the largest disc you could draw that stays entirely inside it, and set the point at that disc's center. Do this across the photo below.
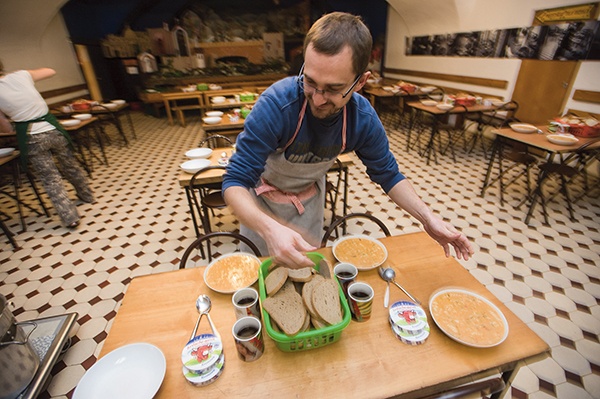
(332, 32)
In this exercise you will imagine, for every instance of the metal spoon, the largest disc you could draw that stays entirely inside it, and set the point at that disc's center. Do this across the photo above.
(386, 298)
(389, 274)
(203, 304)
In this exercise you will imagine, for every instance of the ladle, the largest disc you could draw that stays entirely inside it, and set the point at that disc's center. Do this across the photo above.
(203, 304)
(388, 274)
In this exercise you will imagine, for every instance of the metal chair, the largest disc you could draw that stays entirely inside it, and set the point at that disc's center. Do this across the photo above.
(205, 240)
(518, 155)
(205, 197)
(343, 220)
(485, 120)
(567, 170)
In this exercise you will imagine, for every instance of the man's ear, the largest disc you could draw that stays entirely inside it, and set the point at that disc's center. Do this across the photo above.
(362, 81)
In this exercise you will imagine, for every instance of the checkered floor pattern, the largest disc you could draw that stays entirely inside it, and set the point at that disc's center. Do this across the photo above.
(548, 275)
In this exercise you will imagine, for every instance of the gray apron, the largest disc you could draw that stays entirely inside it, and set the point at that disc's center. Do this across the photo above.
(293, 193)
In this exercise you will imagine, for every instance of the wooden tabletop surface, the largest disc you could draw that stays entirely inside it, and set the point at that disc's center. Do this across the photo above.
(541, 140)
(367, 362)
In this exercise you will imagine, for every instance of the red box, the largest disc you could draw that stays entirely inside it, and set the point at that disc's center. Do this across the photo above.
(584, 131)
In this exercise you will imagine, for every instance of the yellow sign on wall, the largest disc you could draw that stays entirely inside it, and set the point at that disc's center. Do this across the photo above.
(573, 13)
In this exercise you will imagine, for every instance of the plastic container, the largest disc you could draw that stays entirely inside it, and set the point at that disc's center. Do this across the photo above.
(305, 340)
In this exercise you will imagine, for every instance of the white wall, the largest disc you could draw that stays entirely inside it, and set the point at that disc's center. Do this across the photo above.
(408, 18)
(33, 35)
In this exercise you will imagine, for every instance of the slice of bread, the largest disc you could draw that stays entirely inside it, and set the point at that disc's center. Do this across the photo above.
(307, 291)
(318, 323)
(287, 310)
(326, 301)
(300, 275)
(275, 280)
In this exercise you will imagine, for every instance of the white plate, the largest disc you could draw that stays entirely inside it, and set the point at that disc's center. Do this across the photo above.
(359, 262)
(214, 113)
(4, 152)
(428, 89)
(82, 117)
(388, 88)
(562, 139)
(523, 128)
(134, 371)
(218, 100)
(223, 276)
(118, 102)
(485, 311)
(197, 153)
(429, 103)
(194, 165)
(70, 122)
(212, 120)
(445, 107)
(110, 105)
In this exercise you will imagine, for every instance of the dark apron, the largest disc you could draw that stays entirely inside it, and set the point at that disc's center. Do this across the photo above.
(22, 129)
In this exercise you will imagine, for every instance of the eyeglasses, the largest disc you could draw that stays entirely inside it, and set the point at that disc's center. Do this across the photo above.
(328, 94)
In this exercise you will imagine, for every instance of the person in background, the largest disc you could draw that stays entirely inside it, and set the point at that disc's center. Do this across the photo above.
(275, 181)
(42, 140)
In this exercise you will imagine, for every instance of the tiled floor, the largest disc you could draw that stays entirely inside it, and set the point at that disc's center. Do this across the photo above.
(548, 275)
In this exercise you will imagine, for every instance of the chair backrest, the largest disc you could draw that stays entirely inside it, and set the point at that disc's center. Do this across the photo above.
(344, 219)
(213, 141)
(437, 94)
(207, 239)
(193, 181)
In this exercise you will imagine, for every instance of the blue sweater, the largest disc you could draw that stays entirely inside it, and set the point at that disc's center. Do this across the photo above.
(273, 121)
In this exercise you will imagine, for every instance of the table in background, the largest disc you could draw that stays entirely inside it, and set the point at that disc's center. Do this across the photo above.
(226, 127)
(437, 115)
(172, 103)
(538, 141)
(368, 361)
(216, 176)
(111, 115)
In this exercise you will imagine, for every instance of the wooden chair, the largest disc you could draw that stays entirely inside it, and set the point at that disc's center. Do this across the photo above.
(206, 241)
(484, 120)
(572, 166)
(343, 221)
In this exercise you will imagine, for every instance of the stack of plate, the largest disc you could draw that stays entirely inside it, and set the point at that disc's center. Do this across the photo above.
(409, 322)
(203, 359)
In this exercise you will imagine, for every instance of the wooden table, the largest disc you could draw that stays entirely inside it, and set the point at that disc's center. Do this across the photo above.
(216, 176)
(111, 115)
(537, 141)
(367, 362)
(436, 120)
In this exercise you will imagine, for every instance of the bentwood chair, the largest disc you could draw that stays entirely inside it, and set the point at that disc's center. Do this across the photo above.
(206, 197)
(213, 141)
(194, 255)
(360, 218)
(333, 185)
(571, 167)
(481, 121)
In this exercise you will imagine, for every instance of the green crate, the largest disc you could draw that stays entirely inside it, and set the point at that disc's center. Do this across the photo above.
(305, 340)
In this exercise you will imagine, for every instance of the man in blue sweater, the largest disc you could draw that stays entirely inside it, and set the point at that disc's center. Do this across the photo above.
(275, 182)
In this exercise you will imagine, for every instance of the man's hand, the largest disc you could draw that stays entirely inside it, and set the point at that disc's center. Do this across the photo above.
(445, 234)
(287, 247)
